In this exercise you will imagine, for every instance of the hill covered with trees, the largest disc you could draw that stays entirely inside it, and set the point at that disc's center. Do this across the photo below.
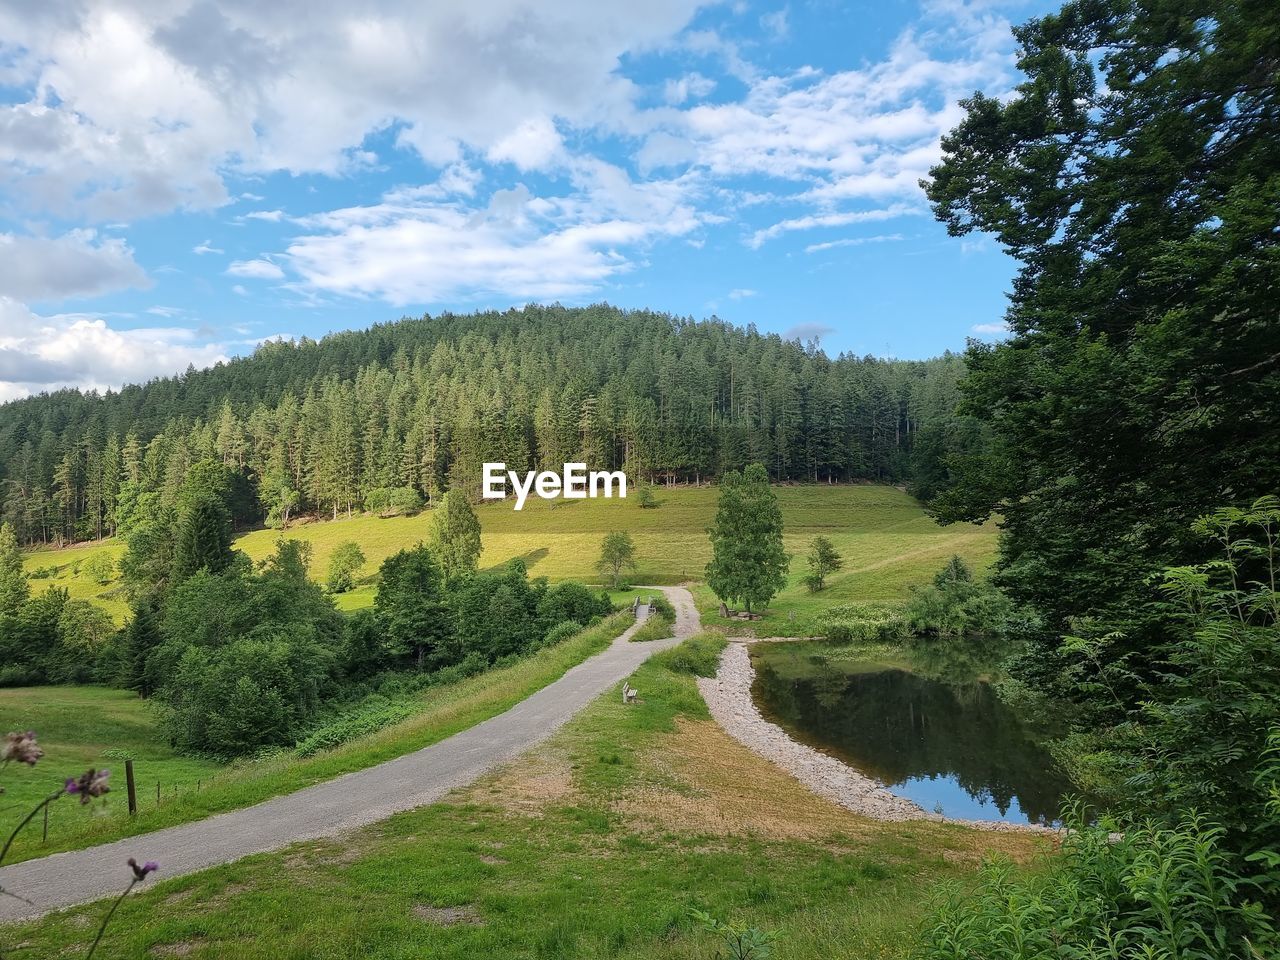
(406, 410)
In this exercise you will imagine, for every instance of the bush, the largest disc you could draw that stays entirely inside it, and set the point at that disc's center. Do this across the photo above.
(561, 632)
(856, 623)
(100, 569)
(371, 715)
(345, 562)
(956, 605)
(660, 605)
(698, 656)
(1153, 892)
(393, 501)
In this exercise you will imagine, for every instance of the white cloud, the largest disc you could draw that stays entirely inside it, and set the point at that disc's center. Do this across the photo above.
(742, 293)
(271, 216)
(776, 24)
(990, 329)
(135, 107)
(77, 264)
(206, 247)
(808, 331)
(419, 246)
(811, 221)
(691, 86)
(851, 242)
(81, 350)
(255, 270)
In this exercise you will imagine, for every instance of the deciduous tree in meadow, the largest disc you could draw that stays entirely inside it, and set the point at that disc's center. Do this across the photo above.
(748, 564)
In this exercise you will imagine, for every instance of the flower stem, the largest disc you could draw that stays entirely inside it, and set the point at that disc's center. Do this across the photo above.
(29, 817)
(107, 919)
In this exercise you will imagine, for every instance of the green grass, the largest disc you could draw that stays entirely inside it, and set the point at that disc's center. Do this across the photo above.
(558, 857)
(444, 711)
(887, 540)
(82, 727)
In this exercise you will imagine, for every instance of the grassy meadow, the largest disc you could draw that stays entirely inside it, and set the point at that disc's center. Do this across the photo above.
(595, 845)
(887, 540)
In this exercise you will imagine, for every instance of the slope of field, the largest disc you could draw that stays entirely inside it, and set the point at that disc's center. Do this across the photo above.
(887, 540)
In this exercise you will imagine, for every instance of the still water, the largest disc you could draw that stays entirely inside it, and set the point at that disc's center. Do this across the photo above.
(952, 747)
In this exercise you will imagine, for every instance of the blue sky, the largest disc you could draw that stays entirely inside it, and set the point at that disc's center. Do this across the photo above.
(180, 181)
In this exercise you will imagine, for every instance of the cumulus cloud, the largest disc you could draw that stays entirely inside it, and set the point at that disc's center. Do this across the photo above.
(81, 350)
(419, 246)
(990, 329)
(255, 270)
(77, 264)
(135, 107)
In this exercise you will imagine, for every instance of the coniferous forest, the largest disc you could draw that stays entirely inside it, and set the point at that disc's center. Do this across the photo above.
(407, 410)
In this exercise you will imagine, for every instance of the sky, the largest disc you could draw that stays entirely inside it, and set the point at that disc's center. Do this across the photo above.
(180, 181)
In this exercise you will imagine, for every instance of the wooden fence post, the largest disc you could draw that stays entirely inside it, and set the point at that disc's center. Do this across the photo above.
(133, 792)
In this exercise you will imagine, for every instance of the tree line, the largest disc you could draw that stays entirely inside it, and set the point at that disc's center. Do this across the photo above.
(388, 417)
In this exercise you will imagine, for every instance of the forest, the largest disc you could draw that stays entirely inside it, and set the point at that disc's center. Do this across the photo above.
(385, 418)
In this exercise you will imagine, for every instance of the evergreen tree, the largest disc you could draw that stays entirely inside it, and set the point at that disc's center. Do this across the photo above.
(13, 579)
(203, 540)
(138, 639)
(748, 563)
(455, 534)
(410, 607)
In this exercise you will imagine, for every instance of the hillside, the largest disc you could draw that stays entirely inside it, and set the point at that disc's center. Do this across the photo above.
(888, 542)
(417, 406)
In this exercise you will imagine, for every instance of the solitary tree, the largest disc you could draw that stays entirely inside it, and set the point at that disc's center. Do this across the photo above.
(410, 606)
(748, 564)
(823, 560)
(455, 534)
(347, 558)
(13, 580)
(618, 552)
(100, 568)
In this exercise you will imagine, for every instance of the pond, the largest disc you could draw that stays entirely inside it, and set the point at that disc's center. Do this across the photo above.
(951, 746)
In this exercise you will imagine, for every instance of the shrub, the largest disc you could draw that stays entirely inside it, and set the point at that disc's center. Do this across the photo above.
(857, 623)
(393, 501)
(346, 561)
(561, 632)
(1152, 892)
(100, 568)
(371, 715)
(956, 605)
(698, 656)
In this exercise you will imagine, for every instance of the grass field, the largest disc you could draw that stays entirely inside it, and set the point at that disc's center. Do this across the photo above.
(887, 540)
(89, 726)
(82, 727)
(596, 845)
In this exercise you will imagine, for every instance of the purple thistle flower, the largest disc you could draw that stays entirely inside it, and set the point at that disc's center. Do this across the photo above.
(21, 747)
(140, 872)
(90, 784)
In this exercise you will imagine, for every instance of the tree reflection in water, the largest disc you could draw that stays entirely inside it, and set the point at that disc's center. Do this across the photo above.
(948, 745)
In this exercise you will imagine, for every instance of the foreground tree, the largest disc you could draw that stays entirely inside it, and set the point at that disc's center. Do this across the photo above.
(1134, 173)
(748, 564)
(617, 553)
(823, 561)
(455, 534)
(13, 579)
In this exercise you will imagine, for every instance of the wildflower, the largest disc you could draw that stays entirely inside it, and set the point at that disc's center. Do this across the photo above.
(92, 783)
(21, 747)
(140, 872)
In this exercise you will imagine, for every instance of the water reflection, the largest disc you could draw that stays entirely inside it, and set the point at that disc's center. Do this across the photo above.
(953, 747)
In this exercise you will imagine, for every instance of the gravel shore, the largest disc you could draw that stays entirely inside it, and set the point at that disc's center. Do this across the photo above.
(728, 696)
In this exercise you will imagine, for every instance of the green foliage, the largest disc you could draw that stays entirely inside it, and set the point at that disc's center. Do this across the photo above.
(861, 623)
(823, 561)
(748, 563)
(656, 627)
(739, 942)
(645, 497)
(455, 534)
(956, 605)
(410, 608)
(572, 601)
(100, 568)
(344, 564)
(698, 656)
(13, 580)
(1151, 892)
(1133, 173)
(393, 501)
(371, 715)
(617, 553)
(561, 632)
(1194, 737)
(203, 540)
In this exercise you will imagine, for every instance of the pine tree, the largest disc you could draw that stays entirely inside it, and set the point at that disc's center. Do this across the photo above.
(13, 579)
(203, 538)
(455, 535)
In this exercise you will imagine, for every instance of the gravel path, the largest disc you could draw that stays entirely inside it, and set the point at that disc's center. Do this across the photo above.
(341, 804)
(728, 696)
